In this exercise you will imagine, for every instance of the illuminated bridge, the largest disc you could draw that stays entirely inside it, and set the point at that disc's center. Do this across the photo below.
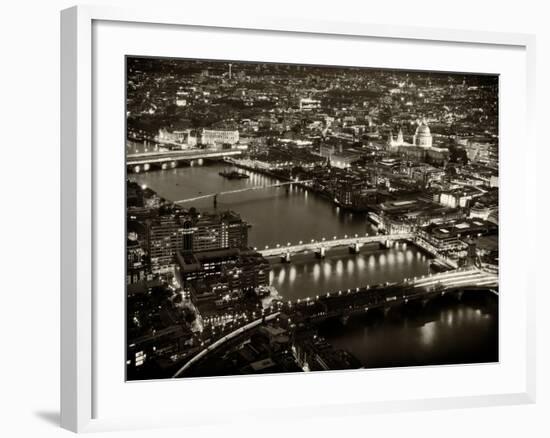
(354, 243)
(245, 189)
(170, 159)
(320, 246)
(348, 302)
(345, 303)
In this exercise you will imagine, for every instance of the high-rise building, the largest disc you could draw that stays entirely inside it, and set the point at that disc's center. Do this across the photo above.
(218, 231)
(208, 234)
(166, 235)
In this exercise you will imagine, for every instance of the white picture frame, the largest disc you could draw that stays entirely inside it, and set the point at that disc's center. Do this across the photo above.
(79, 202)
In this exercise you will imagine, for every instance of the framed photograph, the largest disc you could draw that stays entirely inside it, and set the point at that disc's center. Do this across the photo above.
(306, 218)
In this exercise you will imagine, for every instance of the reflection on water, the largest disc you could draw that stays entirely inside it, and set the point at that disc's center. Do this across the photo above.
(427, 333)
(307, 276)
(276, 216)
(445, 332)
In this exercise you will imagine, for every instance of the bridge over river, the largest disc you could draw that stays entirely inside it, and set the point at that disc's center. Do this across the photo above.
(169, 159)
(362, 299)
(241, 190)
(354, 243)
(320, 246)
(345, 303)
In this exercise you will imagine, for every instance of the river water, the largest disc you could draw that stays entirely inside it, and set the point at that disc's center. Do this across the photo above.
(444, 332)
(275, 215)
(308, 276)
(456, 332)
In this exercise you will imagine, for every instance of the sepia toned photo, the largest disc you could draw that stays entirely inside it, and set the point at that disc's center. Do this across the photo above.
(298, 218)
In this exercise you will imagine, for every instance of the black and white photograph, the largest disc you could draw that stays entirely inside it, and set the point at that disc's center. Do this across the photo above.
(288, 218)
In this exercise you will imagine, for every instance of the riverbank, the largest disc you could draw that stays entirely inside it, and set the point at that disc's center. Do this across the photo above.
(322, 194)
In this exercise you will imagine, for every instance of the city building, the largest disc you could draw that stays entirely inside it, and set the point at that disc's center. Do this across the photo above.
(444, 240)
(452, 238)
(181, 98)
(308, 104)
(343, 160)
(185, 138)
(394, 143)
(157, 345)
(164, 237)
(407, 215)
(426, 174)
(136, 270)
(217, 231)
(439, 156)
(250, 271)
(211, 274)
(480, 211)
(218, 137)
(206, 266)
(421, 149)
(460, 197)
(412, 153)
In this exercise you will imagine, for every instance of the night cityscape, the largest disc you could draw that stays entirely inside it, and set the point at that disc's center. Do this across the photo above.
(296, 218)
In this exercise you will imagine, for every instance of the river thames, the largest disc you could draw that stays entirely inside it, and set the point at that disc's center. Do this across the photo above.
(444, 332)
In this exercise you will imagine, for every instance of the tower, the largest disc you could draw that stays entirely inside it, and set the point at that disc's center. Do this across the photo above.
(400, 140)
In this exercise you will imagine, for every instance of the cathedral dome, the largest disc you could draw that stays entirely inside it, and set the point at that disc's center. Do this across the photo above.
(423, 129)
(423, 136)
